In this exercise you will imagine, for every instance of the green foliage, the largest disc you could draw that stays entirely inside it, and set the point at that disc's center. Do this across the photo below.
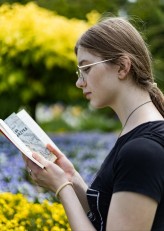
(13, 1)
(152, 25)
(75, 9)
(79, 9)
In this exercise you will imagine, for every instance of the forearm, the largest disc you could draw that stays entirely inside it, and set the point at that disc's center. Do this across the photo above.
(80, 188)
(77, 217)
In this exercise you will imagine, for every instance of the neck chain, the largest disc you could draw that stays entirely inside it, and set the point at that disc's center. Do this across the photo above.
(131, 114)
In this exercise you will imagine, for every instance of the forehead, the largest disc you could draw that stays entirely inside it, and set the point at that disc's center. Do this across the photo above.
(84, 55)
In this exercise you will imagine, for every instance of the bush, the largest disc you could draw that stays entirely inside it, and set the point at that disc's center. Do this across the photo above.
(37, 55)
(17, 214)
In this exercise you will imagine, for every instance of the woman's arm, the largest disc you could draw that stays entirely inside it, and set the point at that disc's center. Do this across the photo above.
(75, 213)
(73, 176)
(80, 188)
(53, 177)
(131, 211)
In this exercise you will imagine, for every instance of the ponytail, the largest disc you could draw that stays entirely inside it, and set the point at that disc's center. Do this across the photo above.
(157, 98)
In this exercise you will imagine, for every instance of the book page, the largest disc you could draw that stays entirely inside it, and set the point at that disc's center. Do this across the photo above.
(23, 132)
(17, 142)
(36, 129)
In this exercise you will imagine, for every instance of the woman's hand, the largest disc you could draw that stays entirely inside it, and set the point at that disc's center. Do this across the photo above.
(54, 174)
(63, 163)
(51, 177)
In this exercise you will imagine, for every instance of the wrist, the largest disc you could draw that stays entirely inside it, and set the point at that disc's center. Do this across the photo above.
(78, 181)
(62, 187)
(75, 177)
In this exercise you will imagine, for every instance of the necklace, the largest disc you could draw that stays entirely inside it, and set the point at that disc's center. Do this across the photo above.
(131, 114)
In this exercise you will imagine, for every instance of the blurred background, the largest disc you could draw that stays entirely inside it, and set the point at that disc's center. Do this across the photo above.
(38, 64)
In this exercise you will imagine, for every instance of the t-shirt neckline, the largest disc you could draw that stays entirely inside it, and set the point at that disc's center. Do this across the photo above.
(138, 126)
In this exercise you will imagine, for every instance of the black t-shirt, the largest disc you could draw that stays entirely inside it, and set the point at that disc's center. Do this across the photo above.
(135, 164)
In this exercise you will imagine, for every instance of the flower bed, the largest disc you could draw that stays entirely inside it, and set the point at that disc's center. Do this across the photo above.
(17, 214)
(85, 150)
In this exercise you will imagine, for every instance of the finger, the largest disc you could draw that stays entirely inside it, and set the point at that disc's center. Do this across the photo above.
(39, 158)
(56, 152)
(32, 165)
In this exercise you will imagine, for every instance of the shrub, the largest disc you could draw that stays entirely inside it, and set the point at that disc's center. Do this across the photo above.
(37, 55)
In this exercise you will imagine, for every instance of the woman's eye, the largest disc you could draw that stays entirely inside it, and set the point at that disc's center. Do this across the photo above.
(86, 70)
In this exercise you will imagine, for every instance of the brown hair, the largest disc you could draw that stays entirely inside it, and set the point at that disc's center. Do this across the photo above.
(114, 37)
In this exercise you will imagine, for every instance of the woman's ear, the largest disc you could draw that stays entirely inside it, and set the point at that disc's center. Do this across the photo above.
(125, 65)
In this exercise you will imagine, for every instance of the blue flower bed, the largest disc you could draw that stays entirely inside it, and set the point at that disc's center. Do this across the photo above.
(85, 150)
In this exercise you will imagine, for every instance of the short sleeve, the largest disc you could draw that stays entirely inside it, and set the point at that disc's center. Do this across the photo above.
(139, 168)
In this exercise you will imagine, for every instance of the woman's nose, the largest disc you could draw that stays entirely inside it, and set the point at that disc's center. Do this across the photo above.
(80, 83)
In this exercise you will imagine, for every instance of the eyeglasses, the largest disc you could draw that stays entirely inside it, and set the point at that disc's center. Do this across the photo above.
(80, 73)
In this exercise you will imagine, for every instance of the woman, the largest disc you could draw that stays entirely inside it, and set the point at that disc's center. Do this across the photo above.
(114, 70)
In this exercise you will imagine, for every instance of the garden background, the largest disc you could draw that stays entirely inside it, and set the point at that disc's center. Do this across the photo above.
(37, 72)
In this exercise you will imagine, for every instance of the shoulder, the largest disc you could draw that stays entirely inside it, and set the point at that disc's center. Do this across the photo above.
(139, 168)
(141, 154)
(141, 148)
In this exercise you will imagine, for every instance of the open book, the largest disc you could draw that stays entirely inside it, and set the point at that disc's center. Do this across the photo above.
(27, 136)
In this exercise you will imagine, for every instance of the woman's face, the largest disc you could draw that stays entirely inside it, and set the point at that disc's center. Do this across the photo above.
(100, 82)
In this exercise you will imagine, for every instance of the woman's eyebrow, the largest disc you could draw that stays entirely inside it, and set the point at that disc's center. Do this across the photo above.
(81, 63)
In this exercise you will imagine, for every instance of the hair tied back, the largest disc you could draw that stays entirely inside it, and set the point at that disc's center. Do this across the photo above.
(154, 84)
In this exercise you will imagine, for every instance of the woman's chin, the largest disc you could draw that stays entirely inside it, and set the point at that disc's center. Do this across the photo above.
(96, 105)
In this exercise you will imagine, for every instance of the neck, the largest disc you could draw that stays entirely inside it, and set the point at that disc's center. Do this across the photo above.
(127, 103)
(131, 114)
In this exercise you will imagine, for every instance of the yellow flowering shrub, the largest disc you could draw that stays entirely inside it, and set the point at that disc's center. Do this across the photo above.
(17, 214)
(32, 38)
(28, 27)
(37, 53)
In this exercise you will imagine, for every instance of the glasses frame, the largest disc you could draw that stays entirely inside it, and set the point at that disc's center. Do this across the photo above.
(79, 73)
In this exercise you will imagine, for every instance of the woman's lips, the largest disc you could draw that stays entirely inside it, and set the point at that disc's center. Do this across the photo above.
(87, 94)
